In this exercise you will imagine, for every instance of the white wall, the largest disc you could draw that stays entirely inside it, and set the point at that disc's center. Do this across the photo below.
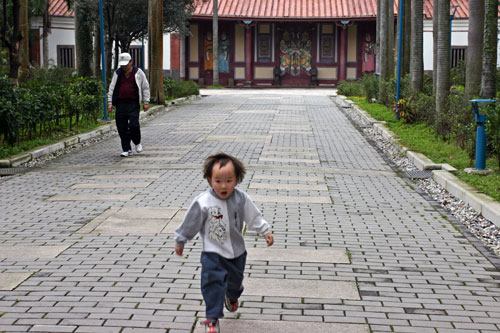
(63, 33)
(459, 37)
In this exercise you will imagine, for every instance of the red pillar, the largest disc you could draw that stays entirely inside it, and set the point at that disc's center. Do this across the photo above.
(343, 54)
(175, 52)
(248, 55)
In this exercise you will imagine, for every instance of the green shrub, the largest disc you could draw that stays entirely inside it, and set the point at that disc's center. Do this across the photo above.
(9, 117)
(370, 86)
(179, 89)
(461, 119)
(458, 74)
(350, 88)
(493, 130)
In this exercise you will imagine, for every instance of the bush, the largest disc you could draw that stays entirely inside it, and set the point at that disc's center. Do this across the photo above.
(493, 130)
(350, 88)
(370, 86)
(458, 74)
(9, 120)
(462, 125)
(179, 89)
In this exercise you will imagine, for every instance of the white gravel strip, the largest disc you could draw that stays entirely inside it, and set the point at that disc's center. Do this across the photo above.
(483, 229)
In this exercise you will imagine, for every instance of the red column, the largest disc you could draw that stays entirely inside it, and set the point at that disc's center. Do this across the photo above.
(248, 55)
(175, 52)
(343, 54)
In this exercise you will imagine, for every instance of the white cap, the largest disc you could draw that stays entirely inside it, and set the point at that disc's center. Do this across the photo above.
(124, 59)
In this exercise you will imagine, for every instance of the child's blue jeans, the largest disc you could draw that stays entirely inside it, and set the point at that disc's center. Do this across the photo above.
(220, 277)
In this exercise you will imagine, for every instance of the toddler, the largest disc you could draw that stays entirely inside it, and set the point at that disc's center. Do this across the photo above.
(218, 215)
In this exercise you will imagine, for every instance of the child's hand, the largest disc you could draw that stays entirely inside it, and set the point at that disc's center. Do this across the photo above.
(179, 250)
(269, 239)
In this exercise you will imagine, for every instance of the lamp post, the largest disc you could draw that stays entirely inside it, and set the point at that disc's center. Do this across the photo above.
(103, 61)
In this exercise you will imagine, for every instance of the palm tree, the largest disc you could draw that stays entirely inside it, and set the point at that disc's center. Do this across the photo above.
(474, 49)
(84, 24)
(488, 80)
(41, 8)
(417, 45)
(386, 45)
(435, 16)
(443, 65)
(155, 54)
(24, 47)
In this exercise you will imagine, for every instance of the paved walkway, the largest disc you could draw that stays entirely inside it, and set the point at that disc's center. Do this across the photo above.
(86, 242)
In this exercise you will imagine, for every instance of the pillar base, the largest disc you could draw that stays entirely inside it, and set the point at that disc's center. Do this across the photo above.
(482, 172)
(248, 83)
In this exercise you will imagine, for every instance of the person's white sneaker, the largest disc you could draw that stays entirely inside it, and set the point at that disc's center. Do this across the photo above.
(126, 153)
(138, 148)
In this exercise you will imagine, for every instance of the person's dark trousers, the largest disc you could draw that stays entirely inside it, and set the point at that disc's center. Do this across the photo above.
(220, 277)
(127, 123)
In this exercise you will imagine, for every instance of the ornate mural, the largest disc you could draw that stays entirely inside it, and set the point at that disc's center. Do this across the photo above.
(295, 53)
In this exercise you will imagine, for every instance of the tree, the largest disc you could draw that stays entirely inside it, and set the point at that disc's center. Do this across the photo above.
(11, 36)
(41, 8)
(386, 45)
(155, 45)
(474, 49)
(435, 15)
(488, 80)
(84, 22)
(443, 66)
(417, 45)
(24, 47)
(405, 64)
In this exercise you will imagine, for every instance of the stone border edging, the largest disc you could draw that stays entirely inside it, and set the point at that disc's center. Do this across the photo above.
(441, 173)
(24, 157)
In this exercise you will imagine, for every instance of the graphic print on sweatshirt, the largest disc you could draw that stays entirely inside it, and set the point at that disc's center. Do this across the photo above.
(216, 226)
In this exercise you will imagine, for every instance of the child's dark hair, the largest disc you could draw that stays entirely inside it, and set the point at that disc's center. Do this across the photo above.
(223, 158)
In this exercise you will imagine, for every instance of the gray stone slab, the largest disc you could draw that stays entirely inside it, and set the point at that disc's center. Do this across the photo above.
(257, 111)
(128, 176)
(131, 220)
(301, 288)
(298, 255)
(289, 153)
(291, 177)
(293, 148)
(291, 199)
(122, 226)
(238, 138)
(111, 185)
(137, 158)
(288, 160)
(253, 326)
(92, 197)
(289, 187)
(285, 131)
(31, 252)
(188, 147)
(174, 222)
(9, 281)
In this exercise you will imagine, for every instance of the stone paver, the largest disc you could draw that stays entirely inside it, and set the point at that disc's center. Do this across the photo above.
(345, 222)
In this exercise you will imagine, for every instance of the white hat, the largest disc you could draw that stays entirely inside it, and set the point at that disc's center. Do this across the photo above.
(124, 59)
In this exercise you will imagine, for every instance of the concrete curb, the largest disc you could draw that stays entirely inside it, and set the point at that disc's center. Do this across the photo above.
(27, 156)
(441, 173)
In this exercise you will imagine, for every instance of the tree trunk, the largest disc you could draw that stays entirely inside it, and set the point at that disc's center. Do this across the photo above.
(377, 45)
(474, 49)
(435, 15)
(405, 65)
(417, 45)
(384, 54)
(391, 38)
(83, 40)
(45, 34)
(24, 47)
(488, 80)
(155, 15)
(443, 67)
(215, 33)
(97, 49)
(11, 40)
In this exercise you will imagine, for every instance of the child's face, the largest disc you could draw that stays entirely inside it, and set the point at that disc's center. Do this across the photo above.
(223, 180)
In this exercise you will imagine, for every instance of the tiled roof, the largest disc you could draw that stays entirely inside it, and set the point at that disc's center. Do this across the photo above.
(60, 8)
(307, 9)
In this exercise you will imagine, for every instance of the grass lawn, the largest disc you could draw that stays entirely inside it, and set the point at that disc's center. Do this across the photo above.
(421, 138)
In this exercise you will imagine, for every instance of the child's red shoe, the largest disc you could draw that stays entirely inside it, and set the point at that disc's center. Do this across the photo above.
(211, 326)
(231, 305)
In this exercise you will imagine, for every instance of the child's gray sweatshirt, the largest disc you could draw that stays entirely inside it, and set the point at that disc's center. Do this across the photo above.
(220, 222)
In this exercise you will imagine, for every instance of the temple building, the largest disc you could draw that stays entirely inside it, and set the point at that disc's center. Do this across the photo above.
(291, 43)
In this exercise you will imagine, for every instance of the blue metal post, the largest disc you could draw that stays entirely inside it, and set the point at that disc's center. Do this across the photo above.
(480, 133)
(400, 46)
(103, 62)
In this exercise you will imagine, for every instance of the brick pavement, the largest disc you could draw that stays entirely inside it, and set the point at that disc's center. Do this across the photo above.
(414, 268)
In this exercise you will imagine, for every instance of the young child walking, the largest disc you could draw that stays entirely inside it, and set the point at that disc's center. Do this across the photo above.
(218, 215)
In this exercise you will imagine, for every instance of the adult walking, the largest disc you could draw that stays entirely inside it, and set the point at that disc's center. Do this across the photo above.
(128, 89)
